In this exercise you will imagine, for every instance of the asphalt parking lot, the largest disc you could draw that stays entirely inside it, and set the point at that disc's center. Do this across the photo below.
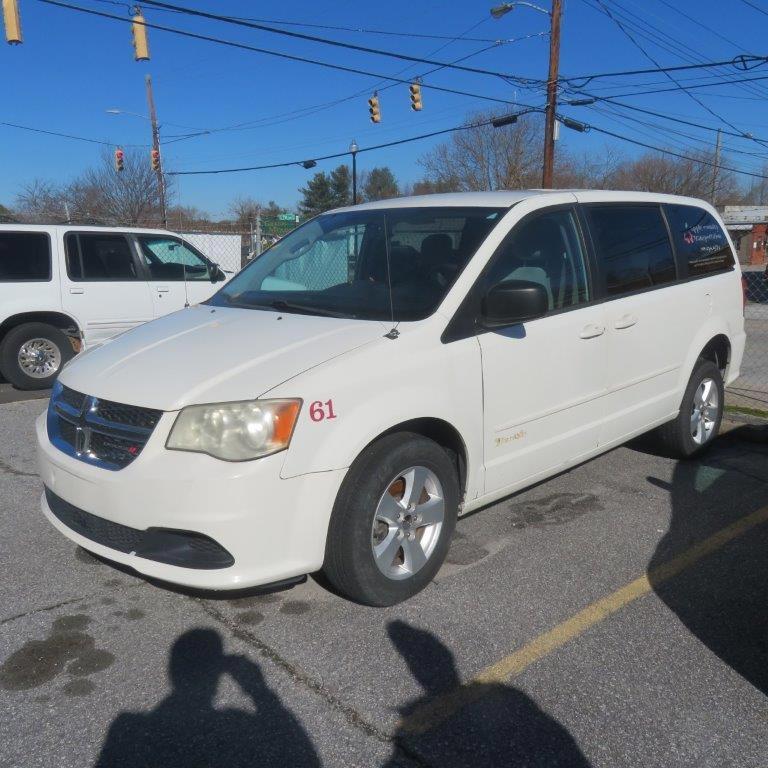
(612, 616)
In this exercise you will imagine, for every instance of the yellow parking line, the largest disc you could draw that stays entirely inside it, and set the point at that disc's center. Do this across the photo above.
(433, 712)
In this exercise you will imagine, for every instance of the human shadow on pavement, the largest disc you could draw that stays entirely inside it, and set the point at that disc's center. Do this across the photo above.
(498, 725)
(185, 729)
(721, 598)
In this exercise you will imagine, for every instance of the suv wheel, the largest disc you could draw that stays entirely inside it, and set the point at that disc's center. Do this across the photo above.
(32, 354)
(701, 412)
(393, 520)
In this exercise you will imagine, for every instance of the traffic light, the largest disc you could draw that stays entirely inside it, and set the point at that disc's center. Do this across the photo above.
(119, 158)
(140, 41)
(373, 109)
(12, 21)
(155, 155)
(416, 104)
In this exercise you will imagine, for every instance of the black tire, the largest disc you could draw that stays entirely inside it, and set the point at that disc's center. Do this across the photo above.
(15, 340)
(350, 565)
(676, 437)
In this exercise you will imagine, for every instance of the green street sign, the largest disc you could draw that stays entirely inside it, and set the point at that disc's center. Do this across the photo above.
(286, 216)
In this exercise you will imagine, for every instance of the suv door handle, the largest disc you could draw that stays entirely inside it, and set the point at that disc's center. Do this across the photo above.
(77, 290)
(591, 330)
(625, 321)
(163, 289)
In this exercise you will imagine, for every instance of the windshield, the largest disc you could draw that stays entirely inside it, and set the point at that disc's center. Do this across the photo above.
(343, 264)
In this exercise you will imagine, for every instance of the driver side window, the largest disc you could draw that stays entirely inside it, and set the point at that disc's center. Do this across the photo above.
(169, 259)
(545, 249)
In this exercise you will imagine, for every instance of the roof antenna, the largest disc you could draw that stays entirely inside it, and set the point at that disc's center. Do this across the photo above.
(393, 332)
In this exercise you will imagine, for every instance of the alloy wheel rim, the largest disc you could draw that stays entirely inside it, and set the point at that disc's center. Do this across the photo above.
(407, 523)
(704, 411)
(39, 358)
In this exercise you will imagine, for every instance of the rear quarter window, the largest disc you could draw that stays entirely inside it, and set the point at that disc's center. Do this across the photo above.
(25, 256)
(699, 240)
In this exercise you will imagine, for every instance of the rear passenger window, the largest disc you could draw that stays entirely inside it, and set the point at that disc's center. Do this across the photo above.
(699, 239)
(545, 249)
(633, 247)
(25, 256)
(92, 256)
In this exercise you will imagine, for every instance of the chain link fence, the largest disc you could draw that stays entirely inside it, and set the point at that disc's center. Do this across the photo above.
(749, 393)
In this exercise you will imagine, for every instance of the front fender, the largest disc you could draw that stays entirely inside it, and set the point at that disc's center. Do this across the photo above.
(350, 401)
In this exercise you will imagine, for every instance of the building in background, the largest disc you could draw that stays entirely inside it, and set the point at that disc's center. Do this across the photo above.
(748, 227)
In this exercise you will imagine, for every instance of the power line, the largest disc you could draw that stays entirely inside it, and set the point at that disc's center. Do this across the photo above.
(278, 54)
(756, 7)
(68, 135)
(336, 43)
(337, 155)
(645, 53)
(589, 127)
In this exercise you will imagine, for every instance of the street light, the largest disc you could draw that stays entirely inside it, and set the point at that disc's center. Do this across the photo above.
(500, 10)
(353, 148)
(497, 12)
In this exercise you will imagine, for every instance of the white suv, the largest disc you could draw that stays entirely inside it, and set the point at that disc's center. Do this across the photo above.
(67, 287)
(384, 369)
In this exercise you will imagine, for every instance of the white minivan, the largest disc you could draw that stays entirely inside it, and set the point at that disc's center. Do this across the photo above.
(65, 287)
(384, 369)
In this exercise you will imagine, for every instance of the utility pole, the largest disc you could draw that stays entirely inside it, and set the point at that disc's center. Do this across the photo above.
(156, 147)
(716, 166)
(551, 110)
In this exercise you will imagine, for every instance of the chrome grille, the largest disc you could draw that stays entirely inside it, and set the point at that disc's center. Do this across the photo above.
(101, 432)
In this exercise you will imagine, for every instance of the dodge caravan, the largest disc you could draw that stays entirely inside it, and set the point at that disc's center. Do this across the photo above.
(65, 287)
(384, 369)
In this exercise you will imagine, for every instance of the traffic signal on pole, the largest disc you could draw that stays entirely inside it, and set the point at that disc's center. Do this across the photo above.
(373, 109)
(416, 104)
(12, 21)
(140, 41)
(119, 158)
(155, 155)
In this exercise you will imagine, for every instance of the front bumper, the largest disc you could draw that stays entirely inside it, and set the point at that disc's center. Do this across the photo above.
(274, 528)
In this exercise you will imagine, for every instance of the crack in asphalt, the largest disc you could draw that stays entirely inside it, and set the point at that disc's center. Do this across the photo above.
(297, 675)
(7, 469)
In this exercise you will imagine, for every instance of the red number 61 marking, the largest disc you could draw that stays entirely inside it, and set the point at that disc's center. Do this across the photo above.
(318, 410)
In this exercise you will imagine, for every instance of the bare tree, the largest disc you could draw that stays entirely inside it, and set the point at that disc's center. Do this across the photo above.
(483, 157)
(128, 197)
(41, 200)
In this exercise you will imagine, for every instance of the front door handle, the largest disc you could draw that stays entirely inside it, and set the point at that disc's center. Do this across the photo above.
(591, 330)
(625, 321)
(77, 290)
(163, 289)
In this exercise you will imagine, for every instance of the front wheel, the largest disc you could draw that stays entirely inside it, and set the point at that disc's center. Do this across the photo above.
(701, 412)
(32, 354)
(393, 520)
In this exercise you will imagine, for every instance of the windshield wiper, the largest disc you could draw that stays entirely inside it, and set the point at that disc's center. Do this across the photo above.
(289, 306)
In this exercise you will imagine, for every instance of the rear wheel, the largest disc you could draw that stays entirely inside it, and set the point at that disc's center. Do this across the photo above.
(393, 520)
(701, 412)
(32, 354)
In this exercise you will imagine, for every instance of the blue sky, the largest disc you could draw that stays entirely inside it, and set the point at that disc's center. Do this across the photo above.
(72, 67)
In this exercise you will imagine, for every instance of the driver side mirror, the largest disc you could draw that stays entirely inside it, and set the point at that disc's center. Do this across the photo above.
(513, 301)
(217, 274)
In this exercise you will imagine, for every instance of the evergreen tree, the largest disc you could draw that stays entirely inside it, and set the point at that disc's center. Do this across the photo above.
(380, 184)
(317, 196)
(341, 186)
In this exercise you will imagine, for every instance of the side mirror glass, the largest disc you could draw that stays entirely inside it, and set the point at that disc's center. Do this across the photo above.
(217, 274)
(513, 301)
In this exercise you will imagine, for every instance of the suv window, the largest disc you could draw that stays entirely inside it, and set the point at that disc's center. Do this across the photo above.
(545, 249)
(96, 256)
(25, 256)
(633, 247)
(699, 239)
(168, 258)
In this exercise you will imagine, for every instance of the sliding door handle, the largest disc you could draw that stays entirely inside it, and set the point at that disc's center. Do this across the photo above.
(77, 290)
(625, 321)
(591, 331)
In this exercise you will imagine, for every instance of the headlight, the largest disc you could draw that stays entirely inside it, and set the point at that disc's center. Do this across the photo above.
(235, 431)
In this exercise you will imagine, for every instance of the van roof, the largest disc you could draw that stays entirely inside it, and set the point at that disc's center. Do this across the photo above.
(10, 226)
(508, 198)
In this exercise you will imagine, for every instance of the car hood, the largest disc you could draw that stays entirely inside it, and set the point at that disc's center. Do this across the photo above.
(205, 354)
